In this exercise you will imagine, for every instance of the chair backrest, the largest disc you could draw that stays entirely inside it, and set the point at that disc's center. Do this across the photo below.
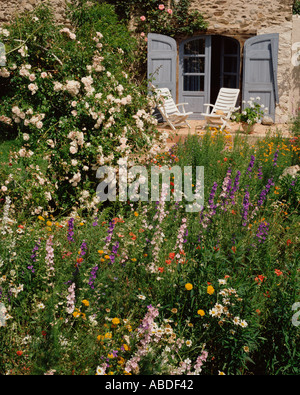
(168, 105)
(226, 100)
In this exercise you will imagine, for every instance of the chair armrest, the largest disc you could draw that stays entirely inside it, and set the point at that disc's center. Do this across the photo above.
(181, 104)
(207, 107)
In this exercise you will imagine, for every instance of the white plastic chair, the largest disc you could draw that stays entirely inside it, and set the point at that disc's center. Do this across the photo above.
(222, 109)
(169, 110)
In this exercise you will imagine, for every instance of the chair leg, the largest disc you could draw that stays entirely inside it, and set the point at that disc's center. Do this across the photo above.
(171, 125)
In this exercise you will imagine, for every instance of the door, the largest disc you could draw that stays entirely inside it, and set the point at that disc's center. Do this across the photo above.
(161, 62)
(260, 71)
(194, 74)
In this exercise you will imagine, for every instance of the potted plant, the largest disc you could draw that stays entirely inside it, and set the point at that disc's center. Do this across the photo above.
(250, 115)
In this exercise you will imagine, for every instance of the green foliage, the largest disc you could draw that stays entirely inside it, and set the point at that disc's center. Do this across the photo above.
(296, 7)
(251, 114)
(79, 292)
(71, 98)
(174, 21)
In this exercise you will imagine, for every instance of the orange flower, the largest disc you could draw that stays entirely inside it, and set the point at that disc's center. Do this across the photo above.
(288, 242)
(260, 278)
(278, 272)
(133, 236)
(172, 255)
(168, 261)
(160, 269)
(19, 353)
(233, 249)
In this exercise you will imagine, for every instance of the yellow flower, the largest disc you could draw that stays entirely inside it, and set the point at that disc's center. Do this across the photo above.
(41, 218)
(110, 355)
(115, 321)
(188, 286)
(136, 214)
(86, 302)
(126, 348)
(49, 223)
(106, 257)
(201, 312)
(100, 337)
(210, 290)
(100, 251)
(76, 314)
(133, 259)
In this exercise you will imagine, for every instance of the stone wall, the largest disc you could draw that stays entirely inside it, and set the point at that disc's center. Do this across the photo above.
(8, 8)
(295, 74)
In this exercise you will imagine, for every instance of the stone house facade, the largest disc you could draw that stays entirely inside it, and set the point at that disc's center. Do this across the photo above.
(242, 19)
(253, 46)
(245, 41)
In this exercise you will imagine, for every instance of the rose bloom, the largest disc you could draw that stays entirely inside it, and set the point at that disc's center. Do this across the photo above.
(161, 7)
(39, 124)
(142, 18)
(169, 11)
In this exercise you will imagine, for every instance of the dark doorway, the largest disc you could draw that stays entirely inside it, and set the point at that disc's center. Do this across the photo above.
(225, 64)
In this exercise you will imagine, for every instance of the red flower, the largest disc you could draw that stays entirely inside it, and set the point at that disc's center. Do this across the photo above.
(278, 272)
(44, 333)
(168, 261)
(260, 278)
(225, 159)
(19, 353)
(160, 269)
(233, 249)
(172, 255)
(288, 242)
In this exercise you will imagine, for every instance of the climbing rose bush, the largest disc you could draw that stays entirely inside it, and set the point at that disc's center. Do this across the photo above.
(70, 97)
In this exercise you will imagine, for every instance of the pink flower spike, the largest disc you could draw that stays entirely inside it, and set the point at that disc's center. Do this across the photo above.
(142, 18)
(161, 7)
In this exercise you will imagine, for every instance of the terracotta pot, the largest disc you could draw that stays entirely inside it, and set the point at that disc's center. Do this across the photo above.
(248, 129)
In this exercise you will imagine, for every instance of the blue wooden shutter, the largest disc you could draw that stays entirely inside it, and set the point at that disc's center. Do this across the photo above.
(260, 70)
(161, 62)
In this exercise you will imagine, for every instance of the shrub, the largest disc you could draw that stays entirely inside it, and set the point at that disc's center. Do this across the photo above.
(69, 97)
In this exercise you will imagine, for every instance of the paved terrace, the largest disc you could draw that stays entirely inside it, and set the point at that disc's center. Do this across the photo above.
(260, 131)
